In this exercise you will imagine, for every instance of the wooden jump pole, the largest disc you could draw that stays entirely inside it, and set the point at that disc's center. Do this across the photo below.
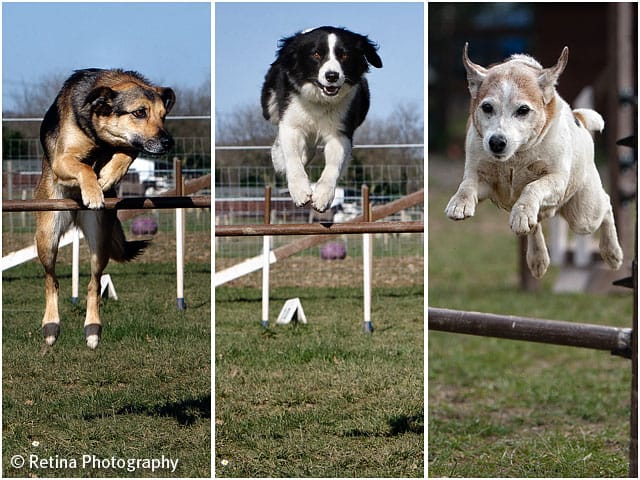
(310, 240)
(599, 337)
(320, 228)
(189, 187)
(128, 203)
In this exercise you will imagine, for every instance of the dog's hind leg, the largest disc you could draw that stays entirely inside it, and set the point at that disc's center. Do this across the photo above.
(590, 210)
(537, 255)
(610, 249)
(97, 228)
(49, 228)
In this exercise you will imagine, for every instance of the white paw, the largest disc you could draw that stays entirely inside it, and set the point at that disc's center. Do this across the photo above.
(51, 331)
(300, 193)
(612, 254)
(538, 263)
(523, 218)
(92, 341)
(460, 207)
(323, 196)
(92, 333)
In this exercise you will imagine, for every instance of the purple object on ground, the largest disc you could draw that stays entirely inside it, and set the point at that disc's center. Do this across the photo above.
(144, 226)
(333, 251)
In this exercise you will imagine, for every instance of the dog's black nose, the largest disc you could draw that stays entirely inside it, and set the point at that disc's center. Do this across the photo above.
(166, 142)
(497, 143)
(332, 76)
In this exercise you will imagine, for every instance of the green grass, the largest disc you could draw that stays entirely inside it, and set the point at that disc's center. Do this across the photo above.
(501, 408)
(144, 393)
(322, 399)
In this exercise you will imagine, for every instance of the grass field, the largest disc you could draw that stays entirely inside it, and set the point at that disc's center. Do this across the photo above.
(144, 393)
(322, 399)
(500, 408)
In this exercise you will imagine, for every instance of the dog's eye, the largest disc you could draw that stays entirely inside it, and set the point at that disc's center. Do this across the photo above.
(523, 110)
(344, 56)
(487, 108)
(140, 113)
(316, 56)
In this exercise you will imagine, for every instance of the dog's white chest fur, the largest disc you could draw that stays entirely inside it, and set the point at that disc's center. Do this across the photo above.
(316, 119)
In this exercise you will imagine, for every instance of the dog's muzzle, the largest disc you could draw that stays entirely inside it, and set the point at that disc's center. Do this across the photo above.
(332, 87)
(158, 145)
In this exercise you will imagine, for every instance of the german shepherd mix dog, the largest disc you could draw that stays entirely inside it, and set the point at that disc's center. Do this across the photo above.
(99, 122)
(529, 153)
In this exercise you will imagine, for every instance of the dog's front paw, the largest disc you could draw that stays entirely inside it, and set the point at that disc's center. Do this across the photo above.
(461, 206)
(322, 196)
(300, 193)
(105, 183)
(523, 218)
(92, 334)
(92, 197)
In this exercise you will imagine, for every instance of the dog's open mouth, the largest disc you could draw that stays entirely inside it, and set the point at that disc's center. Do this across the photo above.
(329, 90)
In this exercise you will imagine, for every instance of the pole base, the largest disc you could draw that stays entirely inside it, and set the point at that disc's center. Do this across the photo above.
(181, 304)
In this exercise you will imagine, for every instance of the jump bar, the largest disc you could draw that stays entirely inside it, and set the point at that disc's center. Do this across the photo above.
(599, 337)
(318, 228)
(128, 203)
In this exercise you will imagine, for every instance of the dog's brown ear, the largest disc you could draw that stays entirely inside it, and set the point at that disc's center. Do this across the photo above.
(475, 73)
(548, 79)
(168, 97)
(100, 100)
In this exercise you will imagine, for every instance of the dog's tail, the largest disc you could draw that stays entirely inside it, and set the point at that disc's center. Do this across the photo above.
(590, 119)
(122, 250)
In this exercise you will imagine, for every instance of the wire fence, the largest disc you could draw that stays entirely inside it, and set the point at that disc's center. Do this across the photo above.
(22, 166)
(239, 199)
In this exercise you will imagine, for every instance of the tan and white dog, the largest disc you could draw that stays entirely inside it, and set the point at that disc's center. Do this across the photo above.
(530, 154)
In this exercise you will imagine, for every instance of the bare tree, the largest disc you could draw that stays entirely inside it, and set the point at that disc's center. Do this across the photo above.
(245, 126)
(33, 99)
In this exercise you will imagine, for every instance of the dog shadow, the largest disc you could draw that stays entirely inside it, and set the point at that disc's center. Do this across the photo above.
(398, 425)
(185, 412)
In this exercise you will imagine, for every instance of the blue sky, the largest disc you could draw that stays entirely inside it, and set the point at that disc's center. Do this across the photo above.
(246, 37)
(169, 43)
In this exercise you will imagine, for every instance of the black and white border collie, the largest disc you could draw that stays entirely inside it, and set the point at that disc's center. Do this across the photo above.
(316, 92)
